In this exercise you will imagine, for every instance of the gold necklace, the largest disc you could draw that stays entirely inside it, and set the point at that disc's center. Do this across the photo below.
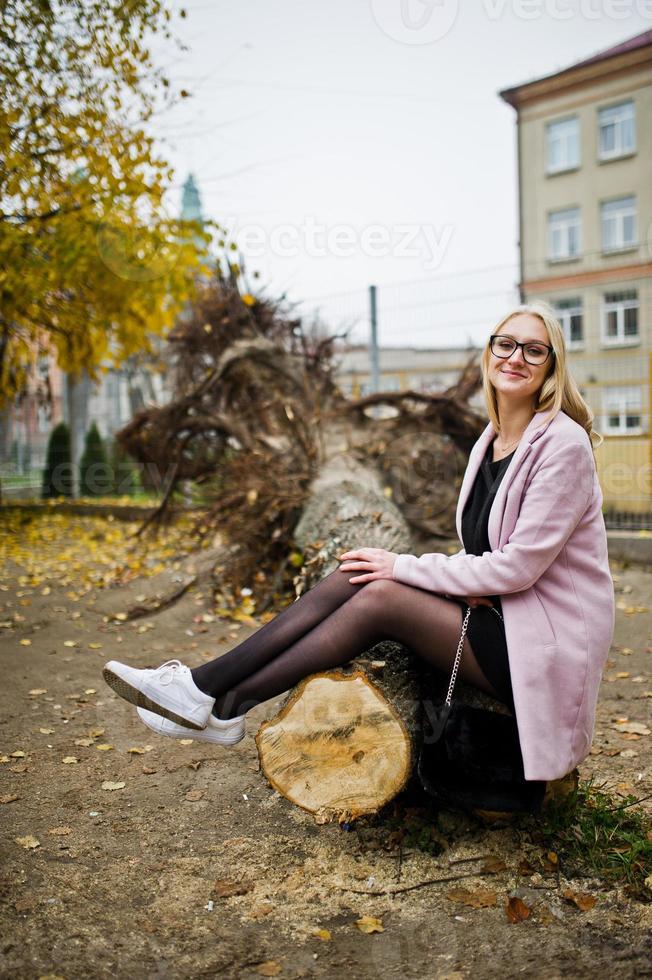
(502, 449)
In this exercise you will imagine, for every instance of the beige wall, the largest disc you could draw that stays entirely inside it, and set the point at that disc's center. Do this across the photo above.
(624, 461)
(591, 182)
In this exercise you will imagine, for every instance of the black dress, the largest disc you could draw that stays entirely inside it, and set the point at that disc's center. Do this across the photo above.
(486, 629)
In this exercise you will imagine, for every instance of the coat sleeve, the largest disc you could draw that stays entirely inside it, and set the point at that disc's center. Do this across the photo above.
(558, 493)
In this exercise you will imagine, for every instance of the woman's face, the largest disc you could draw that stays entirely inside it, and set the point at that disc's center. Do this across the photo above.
(513, 377)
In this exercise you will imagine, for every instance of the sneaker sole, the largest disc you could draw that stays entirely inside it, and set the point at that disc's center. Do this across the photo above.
(210, 741)
(134, 696)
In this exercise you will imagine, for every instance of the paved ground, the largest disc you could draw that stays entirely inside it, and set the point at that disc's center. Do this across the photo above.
(195, 867)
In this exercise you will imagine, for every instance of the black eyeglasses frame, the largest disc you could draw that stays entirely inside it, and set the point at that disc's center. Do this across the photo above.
(504, 357)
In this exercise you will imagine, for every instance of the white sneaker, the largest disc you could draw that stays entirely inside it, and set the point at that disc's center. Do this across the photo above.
(220, 732)
(168, 690)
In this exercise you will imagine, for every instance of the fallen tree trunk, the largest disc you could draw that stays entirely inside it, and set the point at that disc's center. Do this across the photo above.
(345, 742)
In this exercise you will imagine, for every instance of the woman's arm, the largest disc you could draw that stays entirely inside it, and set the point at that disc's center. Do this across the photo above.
(557, 496)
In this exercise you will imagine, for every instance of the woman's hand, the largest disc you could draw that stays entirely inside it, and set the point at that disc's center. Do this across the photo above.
(372, 563)
(477, 600)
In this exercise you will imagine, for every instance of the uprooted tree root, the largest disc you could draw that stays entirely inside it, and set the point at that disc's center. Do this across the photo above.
(254, 401)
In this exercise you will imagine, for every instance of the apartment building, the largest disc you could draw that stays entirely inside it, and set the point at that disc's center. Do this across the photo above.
(584, 138)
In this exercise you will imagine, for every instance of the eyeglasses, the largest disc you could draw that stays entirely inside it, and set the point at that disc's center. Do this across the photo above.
(534, 353)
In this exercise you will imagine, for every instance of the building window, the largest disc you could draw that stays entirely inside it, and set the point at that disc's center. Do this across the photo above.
(562, 145)
(622, 410)
(619, 224)
(569, 313)
(616, 125)
(620, 318)
(564, 234)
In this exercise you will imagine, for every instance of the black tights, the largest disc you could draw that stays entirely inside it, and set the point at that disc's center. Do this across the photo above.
(327, 627)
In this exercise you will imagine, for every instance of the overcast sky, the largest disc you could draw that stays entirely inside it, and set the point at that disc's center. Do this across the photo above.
(364, 141)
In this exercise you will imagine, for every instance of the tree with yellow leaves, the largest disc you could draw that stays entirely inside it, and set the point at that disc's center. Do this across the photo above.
(91, 266)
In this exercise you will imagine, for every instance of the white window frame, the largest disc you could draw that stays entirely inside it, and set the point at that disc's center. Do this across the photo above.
(564, 310)
(563, 134)
(560, 226)
(622, 400)
(614, 215)
(619, 116)
(618, 306)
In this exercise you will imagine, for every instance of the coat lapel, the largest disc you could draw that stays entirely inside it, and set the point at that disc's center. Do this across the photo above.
(534, 429)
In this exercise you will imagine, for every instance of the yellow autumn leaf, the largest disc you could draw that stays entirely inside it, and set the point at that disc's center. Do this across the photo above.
(367, 923)
(104, 747)
(25, 643)
(29, 842)
(69, 760)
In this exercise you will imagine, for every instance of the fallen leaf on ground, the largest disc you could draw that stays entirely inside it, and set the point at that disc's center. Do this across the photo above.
(582, 900)
(104, 747)
(193, 795)
(479, 899)
(96, 732)
(25, 643)
(516, 910)
(149, 771)
(107, 784)
(46, 731)
(494, 865)
(185, 741)
(34, 693)
(323, 934)
(60, 831)
(18, 754)
(632, 727)
(29, 842)
(225, 888)
(84, 741)
(69, 760)
(367, 923)
(270, 968)
(9, 798)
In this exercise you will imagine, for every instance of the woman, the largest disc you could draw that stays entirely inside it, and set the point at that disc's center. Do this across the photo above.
(534, 569)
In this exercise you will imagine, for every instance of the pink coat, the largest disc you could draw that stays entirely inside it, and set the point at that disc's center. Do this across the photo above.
(550, 567)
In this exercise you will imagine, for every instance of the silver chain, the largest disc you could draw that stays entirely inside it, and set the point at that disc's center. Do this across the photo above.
(458, 655)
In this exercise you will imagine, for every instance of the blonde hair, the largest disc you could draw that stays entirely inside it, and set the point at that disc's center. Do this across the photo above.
(559, 391)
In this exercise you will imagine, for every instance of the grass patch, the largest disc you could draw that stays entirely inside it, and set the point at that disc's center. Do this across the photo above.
(596, 834)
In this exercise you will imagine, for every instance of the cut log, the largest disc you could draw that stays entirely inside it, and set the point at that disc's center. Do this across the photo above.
(343, 744)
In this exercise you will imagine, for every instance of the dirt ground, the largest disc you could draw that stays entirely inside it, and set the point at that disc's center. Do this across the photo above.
(195, 867)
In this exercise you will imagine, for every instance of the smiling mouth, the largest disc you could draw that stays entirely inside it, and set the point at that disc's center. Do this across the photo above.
(514, 373)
